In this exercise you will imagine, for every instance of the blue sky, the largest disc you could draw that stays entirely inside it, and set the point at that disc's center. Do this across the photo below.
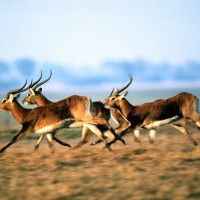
(88, 32)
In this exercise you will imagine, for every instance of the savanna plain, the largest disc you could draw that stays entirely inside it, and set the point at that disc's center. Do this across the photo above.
(168, 170)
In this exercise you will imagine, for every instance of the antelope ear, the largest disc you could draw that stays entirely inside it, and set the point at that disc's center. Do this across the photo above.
(32, 91)
(123, 95)
(17, 96)
(40, 89)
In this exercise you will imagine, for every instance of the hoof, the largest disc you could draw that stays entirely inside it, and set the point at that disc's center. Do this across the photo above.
(122, 140)
(195, 144)
(36, 147)
(108, 147)
(66, 144)
(137, 140)
(151, 141)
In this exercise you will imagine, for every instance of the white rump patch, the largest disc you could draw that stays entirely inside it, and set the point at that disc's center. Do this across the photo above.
(197, 105)
(90, 107)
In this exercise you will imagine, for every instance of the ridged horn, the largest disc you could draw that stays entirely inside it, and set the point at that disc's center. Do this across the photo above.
(39, 84)
(111, 92)
(123, 88)
(34, 83)
(21, 89)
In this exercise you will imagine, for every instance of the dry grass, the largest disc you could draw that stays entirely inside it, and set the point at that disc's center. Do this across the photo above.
(170, 170)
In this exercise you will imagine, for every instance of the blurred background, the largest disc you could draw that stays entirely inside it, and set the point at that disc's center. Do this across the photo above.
(92, 46)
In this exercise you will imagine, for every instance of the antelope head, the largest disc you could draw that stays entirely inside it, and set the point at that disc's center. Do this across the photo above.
(11, 97)
(113, 100)
(33, 92)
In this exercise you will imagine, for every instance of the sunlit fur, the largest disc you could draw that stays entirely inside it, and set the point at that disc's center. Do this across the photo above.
(160, 112)
(50, 118)
(97, 110)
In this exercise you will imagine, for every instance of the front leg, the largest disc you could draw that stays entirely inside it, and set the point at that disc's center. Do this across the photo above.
(96, 131)
(152, 134)
(117, 137)
(117, 116)
(129, 130)
(50, 141)
(38, 142)
(102, 121)
(85, 136)
(136, 135)
(24, 131)
(59, 141)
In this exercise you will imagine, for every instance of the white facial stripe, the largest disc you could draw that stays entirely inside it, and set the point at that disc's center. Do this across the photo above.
(32, 91)
(10, 98)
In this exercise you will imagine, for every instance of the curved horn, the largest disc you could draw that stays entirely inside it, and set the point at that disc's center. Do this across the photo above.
(37, 80)
(16, 90)
(39, 84)
(24, 89)
(123, 88)
(111, 92)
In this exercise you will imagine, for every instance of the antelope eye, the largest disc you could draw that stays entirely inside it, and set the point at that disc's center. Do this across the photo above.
(28, 95)
(111, 99)
(3, 101)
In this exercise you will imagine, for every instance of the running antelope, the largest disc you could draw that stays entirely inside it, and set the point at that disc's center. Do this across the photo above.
(35, 97)
(51, 118)
(157, 113)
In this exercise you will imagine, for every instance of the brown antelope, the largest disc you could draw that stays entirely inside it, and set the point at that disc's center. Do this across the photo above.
(157, 113)
(51, 118)
(36, 97)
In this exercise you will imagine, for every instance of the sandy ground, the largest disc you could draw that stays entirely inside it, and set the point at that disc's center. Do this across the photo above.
(168, 170)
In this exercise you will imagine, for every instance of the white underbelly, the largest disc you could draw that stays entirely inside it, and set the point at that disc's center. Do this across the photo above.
(68, 123)
(161, 122)
(76, 125)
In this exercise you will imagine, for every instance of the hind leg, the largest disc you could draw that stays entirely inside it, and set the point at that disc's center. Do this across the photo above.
(96, 131)
(185, 131)
(152, 134)
(38, 142)
(102, 121)
(85, 136)
(50, 142)
(136, 135)
(106, 134)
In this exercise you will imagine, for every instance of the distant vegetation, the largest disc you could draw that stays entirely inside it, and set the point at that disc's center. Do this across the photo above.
(110, 72)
